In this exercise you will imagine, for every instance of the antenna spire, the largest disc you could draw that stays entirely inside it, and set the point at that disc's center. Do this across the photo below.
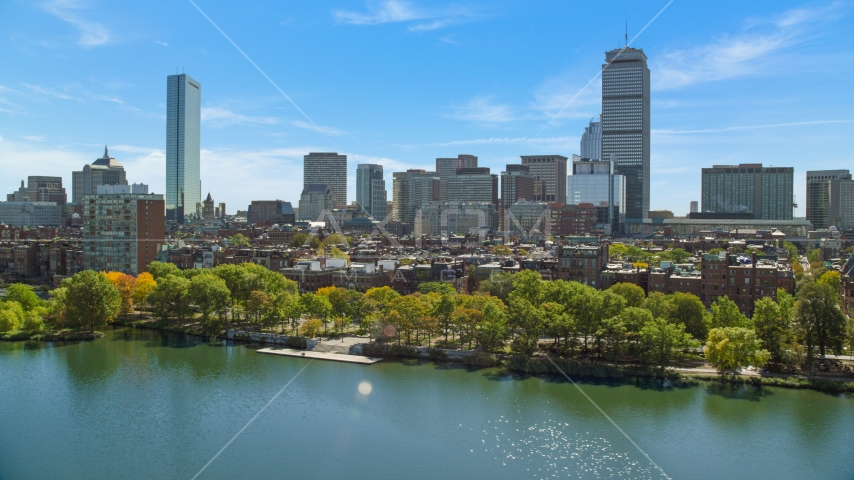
(627, 31)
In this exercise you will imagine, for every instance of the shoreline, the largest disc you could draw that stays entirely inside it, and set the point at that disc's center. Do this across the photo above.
(535, 365)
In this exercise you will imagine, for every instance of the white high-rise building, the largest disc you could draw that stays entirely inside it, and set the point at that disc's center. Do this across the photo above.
(183, 146)
(591, 141)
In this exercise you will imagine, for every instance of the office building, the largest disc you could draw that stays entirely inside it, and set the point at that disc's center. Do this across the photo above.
(473, 185)
(330, 169)
(412, 190)
(446, 168)
(549, 172)
(371, 195)
(183, 147)
(103, 171)
(591, 141)
(526, 218)
(46, 189)
(576, 220)
(764, 192)
(517, 184)
(456, 218)
(315, 202)
(31, 214)
(841, 209)
(818, 195)
(695, 206)
(19, 195)
(269, 211)
(626, 124)
(221, 209)
(595, 182)
(123, 228)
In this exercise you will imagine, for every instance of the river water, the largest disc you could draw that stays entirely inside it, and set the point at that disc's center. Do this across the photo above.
(143, 404)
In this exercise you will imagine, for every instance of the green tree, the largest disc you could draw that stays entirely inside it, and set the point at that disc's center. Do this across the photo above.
(611, 336)
(91, 300)
(725, 313)
(382, 295)
(498, 285)
(317, 306)
(688, 310)
(792, 249)
(772, 328)
(678, 255)
(659, 305)
(170, 297)
(731, 348)
(298, 240)
(257, 305)
(160, 270)
(8, 320)
(238, 240)
(439, 287)
(24, 295)
(210, 295)
(664, 340)
(633, 294)
(832, 278)
(820, 321)
(34, 320)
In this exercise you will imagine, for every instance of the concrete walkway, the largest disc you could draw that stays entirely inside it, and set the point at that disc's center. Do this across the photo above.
(333, 356)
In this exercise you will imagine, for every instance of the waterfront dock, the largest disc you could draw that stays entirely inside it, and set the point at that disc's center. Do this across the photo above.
(333, 356)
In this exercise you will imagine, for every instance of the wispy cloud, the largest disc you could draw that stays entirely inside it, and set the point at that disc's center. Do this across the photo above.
(395, 11)
(749, 127)
(92, 33)
(481, 109)
(754, 51)
(49, 92)
(511, 141)
(221, 117)
(562, 97)
(158, 42)
(35, 138)
(329, 131)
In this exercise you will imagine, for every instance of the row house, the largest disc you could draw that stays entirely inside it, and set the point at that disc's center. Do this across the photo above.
(582, 263)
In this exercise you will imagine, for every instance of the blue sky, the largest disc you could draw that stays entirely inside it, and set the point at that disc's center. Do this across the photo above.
(401, 83)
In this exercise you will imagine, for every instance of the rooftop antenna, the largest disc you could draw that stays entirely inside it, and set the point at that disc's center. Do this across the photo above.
(627, 29)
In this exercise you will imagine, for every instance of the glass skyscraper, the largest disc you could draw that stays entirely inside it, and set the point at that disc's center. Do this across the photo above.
(626, 124)
(183, 145)
(371, 194)
(594, 182)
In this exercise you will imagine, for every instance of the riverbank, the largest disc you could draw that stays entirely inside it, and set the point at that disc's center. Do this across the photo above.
(51, 336)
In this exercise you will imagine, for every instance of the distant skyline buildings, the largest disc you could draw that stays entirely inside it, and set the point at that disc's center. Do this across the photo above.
(626, 124)
(594, 182)
(447, 167)
(829, 201)
(327, 168)
(549, 172)
(371, 194)
(591, 141)
(183, 146)
(103, 171)
(766, 193)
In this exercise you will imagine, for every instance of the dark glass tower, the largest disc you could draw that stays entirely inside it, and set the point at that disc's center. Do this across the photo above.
(183, 145)
(626, 124)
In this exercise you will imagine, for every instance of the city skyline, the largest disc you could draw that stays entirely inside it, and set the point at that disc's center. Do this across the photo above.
(745, 110)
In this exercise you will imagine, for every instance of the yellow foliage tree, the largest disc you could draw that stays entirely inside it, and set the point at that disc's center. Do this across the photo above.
(126, 285)
(145, 284)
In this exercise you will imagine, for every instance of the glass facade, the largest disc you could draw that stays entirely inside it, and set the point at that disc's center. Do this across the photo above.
(818, 195)
(183, 146)
(626, 124)
(766, 193)
(371, 194)
(593, 182)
